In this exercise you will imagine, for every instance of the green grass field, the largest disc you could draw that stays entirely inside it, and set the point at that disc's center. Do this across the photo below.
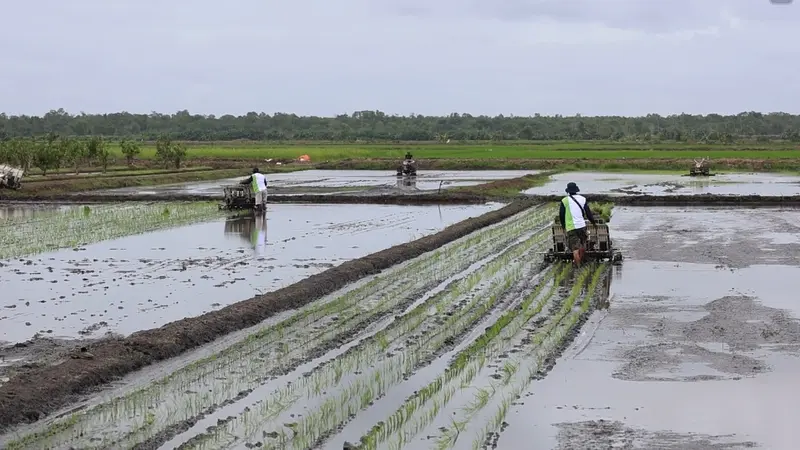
(549, 151)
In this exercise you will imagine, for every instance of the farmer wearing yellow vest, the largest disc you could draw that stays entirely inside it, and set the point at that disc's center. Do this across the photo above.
(573, 212)
(258, 182)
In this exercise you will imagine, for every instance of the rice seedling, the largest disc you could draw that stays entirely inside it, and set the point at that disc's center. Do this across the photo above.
(603, 211)
(71, 227)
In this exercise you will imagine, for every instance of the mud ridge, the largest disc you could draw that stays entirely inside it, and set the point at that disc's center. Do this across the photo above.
(108, 175)
(684, 200)
(391, 199)
(31, 396)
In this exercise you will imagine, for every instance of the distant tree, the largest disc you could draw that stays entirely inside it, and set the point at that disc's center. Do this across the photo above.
(98, 151)
(131, 150)
(75, 153)
(372, 126)
(45, 154)
(178, 154)
(164, 149)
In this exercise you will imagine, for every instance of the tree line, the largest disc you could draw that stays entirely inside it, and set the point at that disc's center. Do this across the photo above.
(52, 152)
(379, 126)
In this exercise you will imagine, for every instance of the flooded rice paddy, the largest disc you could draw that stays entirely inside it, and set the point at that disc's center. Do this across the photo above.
(698, 349)
(338, 182)
(693, 343)
(143, 281)
(675, 184)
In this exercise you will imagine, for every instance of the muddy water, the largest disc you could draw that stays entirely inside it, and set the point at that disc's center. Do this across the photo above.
(145, 281)
(339, 181)
(676, 184)
(690, 355)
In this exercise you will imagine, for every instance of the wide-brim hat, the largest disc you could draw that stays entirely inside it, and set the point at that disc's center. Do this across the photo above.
(572, 188)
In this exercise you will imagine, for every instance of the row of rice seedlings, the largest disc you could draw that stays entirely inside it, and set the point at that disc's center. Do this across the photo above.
(85, 225)
(509, 325)
(406, 412)
(494, 340)
(544, 342)
(456, 255)
(362, 391)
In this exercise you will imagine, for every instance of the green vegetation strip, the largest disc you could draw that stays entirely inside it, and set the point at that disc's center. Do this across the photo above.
(493, 151)
(75, 226)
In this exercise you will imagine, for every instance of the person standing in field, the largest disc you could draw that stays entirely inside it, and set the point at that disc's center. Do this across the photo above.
(573, 213)
(258, 182)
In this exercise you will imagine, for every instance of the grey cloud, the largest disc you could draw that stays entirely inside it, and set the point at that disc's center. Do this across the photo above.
(657, 16)
(400, 56)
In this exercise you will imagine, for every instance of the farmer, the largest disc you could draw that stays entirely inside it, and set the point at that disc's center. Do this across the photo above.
(573, 212)
(258, 182)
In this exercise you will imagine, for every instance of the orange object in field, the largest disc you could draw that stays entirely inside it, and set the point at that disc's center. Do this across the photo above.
(304, 158)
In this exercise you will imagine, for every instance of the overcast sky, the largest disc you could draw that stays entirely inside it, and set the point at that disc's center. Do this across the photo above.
(326, 57)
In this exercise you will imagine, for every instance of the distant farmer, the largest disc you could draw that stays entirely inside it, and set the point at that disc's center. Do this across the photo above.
(258, 182)
(573, 212)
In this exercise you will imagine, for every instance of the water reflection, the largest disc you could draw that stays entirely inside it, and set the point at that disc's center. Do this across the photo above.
(700, 186)
(407, 182)
(27, 211)
(604, 300)
(250, 227)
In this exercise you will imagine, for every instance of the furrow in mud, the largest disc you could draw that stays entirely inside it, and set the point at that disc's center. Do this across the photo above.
(150, 416)
(322, 402)
(58, 384)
